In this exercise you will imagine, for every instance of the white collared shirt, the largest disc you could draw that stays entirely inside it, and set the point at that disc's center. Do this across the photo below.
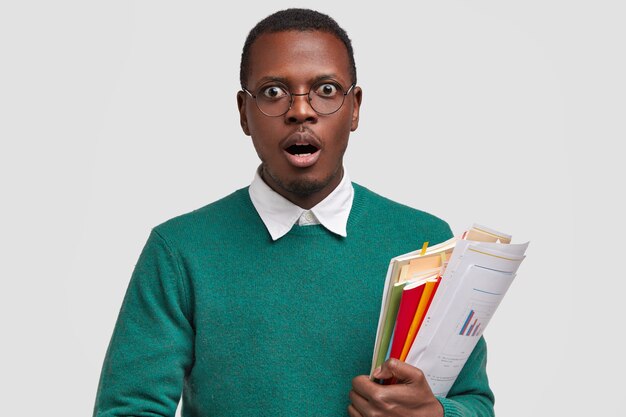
(279, 214)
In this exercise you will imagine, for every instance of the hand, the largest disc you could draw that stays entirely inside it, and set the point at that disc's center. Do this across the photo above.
(409, 397)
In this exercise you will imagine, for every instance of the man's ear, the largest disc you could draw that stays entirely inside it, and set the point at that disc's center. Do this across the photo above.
(357, 96)
(243, 118)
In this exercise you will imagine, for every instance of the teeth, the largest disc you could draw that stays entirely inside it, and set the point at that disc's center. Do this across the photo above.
(304, 154)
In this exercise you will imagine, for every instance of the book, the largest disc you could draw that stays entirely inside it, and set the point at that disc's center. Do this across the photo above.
(412, 266)
(411, 295)
(390, 320)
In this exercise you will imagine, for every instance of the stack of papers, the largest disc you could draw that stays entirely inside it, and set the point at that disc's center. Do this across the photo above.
(438, 301)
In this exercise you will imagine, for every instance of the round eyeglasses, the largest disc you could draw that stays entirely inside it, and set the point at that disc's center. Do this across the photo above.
(274, 99)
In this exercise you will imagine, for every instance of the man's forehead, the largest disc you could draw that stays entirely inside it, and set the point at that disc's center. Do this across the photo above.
(298, 53)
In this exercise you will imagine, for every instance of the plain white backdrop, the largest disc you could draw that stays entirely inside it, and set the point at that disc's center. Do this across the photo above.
(116, 116)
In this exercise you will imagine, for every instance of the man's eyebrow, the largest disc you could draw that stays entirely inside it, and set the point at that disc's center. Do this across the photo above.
(323, 77)
(285, 81)
(268, 78)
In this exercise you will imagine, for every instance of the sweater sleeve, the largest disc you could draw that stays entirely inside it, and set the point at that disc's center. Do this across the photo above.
(470, 396)
(151, 349)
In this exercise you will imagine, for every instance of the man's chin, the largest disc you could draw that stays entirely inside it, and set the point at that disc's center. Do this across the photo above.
(302, 187)
(305, 188)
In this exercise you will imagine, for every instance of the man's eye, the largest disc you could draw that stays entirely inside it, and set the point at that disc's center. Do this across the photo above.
(326, 90)
(273, 92)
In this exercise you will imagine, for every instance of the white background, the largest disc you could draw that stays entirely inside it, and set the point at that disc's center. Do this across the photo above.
(117, 115)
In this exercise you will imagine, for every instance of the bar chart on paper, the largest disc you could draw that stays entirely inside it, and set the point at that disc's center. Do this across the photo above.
(469, 327)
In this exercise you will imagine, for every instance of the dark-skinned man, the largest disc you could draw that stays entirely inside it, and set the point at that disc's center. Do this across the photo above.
(266, 301)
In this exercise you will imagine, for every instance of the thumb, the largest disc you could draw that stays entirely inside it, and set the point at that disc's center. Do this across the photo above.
(395, 368)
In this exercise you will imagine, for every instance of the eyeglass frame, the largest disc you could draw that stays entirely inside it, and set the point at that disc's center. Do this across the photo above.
(292, 95)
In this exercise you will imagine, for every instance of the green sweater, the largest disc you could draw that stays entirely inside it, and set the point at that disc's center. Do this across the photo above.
(246, 326)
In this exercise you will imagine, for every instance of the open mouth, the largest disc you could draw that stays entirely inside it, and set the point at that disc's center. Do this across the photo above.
(302, 150)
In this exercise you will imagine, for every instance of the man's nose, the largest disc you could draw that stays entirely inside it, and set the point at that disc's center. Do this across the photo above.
(301, 110)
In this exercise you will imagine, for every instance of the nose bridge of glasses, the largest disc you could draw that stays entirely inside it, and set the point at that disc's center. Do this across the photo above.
(294, 95)
(307, 98)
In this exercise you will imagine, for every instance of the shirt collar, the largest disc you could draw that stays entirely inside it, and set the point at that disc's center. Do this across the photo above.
(279, 214)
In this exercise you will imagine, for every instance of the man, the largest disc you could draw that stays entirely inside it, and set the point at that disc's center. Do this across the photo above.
(266, 301)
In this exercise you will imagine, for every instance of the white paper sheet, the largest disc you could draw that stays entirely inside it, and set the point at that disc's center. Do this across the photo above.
(477, 278)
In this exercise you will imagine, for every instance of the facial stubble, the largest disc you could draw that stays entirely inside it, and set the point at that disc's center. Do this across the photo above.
(301, 187)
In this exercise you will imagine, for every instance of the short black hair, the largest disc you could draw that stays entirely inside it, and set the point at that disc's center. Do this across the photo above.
(298, 20)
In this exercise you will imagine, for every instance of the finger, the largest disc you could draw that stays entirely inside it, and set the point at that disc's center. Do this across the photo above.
(359, 403)
(363, 386)
(403, 372)
(353, 412)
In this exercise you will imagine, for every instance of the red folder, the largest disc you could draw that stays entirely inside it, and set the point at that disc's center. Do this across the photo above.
(408, 304)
